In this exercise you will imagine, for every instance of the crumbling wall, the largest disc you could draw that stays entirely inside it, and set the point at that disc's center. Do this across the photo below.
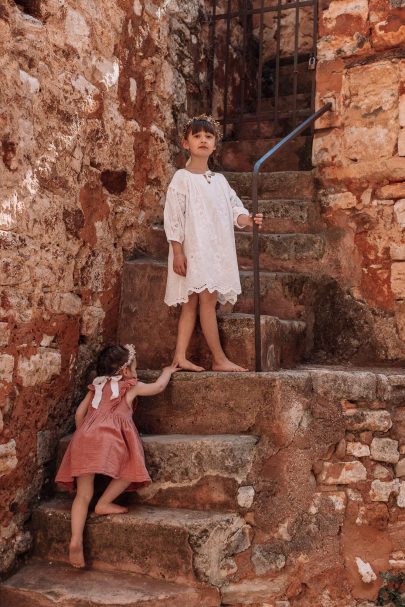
(90, 96)
(359, 152)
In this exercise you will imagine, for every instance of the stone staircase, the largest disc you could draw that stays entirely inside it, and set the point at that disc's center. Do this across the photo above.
(240, 462)
(230, 516)
(294, 255)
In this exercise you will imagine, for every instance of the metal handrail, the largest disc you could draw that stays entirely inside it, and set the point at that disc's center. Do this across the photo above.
(255, 245)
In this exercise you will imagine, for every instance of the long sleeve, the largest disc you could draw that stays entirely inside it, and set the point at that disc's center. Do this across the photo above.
(174, 214)
(237, 207)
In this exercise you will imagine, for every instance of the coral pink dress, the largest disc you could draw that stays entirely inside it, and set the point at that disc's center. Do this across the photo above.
(107, 442)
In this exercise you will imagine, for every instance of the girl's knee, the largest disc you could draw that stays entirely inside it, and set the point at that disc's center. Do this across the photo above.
(85, 487)
(84, 495)
(192, 301)
(206, 297)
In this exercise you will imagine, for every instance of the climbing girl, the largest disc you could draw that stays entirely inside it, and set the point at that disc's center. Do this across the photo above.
(106, 440)
(200, 213)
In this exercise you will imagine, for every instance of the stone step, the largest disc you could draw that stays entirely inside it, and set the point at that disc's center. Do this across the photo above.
(223, 398)
(256, 402)
(287, 295)
(197, 471)
(41, 584)
(279, 252)
(275, 185)
(145, 319)
(241, 155)
(193, 471)
(267, 127)
(281, 216)
(184, 546)
(285, 216)
(285, 102)
(283, 341)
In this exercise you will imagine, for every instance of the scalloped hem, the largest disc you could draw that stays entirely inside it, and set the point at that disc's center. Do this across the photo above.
(224, 296)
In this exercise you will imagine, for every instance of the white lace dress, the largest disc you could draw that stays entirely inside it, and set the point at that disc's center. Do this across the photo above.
(200, 213)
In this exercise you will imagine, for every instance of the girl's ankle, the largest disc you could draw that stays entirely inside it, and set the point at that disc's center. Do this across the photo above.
(219, 360)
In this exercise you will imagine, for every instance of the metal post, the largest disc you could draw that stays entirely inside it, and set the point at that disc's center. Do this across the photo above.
(260, 70)
(228, 39)
(243, 73)
(256, 275)
(277, 80)
(211, 58)
(295, 72)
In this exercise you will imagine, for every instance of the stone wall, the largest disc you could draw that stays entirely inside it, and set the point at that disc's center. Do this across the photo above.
(321, 491)
(91, 93)
(359, 152)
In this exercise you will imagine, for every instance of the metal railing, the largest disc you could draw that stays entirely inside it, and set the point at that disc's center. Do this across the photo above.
(255, 244)
(249, 81)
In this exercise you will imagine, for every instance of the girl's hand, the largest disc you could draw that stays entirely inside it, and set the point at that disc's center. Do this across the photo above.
(258, 220)
(180, 264)
(157, 387)
(172, 368)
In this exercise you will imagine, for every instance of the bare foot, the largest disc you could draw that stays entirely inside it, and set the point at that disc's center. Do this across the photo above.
(227, 365)
(109, 508)
(186, 365)
(76, 556)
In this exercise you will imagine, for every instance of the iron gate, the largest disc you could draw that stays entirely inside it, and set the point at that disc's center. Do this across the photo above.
(261, 65)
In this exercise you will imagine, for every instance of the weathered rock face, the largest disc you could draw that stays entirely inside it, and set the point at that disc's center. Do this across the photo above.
(326, 484)
(89, 101)
(360, 156)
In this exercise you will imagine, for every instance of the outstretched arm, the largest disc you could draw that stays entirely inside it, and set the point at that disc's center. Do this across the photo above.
(82, 409)
(157, 387)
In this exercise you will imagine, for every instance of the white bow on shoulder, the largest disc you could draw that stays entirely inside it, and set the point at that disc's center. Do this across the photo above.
(99, 383)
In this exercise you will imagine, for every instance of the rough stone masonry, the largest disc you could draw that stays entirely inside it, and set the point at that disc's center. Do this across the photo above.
(359, 153)
(90, 97)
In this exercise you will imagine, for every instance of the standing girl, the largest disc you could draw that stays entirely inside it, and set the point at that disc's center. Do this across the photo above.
(106, 440)
(200, 213)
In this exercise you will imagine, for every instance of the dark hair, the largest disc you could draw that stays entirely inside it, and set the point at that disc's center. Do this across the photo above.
(203, 123)
(111, 359)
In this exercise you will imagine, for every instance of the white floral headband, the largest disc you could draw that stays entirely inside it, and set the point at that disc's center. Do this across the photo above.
(131, 357)
(204, 118)
(100, 382)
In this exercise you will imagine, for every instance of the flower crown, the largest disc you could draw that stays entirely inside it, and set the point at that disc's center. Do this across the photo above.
(131, 356)
(214, 123)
